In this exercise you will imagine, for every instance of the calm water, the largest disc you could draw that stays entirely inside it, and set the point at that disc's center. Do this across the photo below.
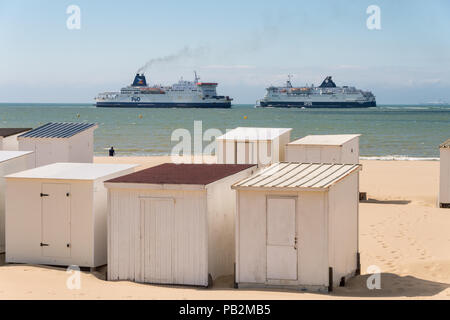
(401, 131)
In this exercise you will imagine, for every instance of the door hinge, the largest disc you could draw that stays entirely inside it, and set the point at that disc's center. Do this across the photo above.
(44, 195)
(44, 245)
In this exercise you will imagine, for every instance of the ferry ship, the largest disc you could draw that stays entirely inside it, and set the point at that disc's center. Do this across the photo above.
(327, 95)
(184, 94)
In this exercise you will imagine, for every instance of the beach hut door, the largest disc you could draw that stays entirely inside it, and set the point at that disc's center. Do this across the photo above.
(157, 228)
(55, 220)
(281, 239)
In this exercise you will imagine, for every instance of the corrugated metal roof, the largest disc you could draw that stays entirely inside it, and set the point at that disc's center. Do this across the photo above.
(295, 176)
(446, 144)
(190, 174)
(58, 130)
(7, 132)
(72, 171)
(325, 140)
(253, 134)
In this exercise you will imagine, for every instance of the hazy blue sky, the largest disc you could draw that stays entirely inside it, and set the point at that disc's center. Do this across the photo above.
(245, 45)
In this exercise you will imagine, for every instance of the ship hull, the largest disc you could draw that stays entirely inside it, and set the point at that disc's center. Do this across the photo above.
(220, 105)
(321, 104)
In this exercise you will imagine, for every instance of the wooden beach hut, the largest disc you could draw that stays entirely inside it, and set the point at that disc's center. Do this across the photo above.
(57, 214)
(444, 189)
(10, 162)
(8, 138)
(297, 226)
(341, 148)
(262, 146)
(173, 224)
(60, 142)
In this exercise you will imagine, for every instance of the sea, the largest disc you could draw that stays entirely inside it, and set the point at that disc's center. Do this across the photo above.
(389, 132)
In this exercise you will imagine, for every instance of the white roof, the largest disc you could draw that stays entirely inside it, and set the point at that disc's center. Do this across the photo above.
(8, 155)
(72, 171)
(254, 134)
(325, 140)
(298, 176)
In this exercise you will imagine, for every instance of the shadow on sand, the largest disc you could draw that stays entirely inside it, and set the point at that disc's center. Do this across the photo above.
(375, 201)
(392, 285)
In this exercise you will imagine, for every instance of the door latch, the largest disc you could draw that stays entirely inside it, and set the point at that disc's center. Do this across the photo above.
(67, 194)
(44, 195)
(68, 245)
(44, 245)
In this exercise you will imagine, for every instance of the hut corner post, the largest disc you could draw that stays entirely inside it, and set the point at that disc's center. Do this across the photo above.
(330, 279)
(358, 264)
(235, 285)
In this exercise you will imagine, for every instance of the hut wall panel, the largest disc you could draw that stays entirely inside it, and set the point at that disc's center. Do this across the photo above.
(81, 147)
(11, 143)
(189, 249)
(8, 167)
(343, 204)
(252, 237)
(313, 239)
(221, 225)
(444, 194)
(26, 249)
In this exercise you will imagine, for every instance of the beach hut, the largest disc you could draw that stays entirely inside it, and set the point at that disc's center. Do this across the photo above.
(341, 148)
(297, 226)
(8, 138)
(60, 142)
(444, 193)
(262, 146)
(56, 214)
(10, 162)
(173, 224)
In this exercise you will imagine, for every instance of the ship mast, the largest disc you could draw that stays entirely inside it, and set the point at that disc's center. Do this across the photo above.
(197, 78)
(288, 82)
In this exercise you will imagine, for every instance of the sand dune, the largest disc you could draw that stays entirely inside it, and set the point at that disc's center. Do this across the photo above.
(401, 231)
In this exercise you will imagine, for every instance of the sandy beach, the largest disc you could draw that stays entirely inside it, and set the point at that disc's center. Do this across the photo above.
(401, 231)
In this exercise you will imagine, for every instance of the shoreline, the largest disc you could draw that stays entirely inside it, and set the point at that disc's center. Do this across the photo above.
(362, 158)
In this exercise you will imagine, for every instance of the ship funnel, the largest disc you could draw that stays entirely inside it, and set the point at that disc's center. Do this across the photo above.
(139, 81)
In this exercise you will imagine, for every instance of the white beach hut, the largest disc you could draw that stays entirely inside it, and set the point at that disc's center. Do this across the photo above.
(297, 226)
(8, 138)
(10, 162)
(60, 142)
(173, 224)
(341, 148)
(262, 146)
(57, 214)
(444, 193)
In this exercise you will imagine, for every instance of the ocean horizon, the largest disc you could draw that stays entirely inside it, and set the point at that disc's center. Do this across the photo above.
(389, 132)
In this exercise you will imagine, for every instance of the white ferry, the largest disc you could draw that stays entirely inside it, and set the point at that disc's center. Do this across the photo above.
(327, 95)
(184, 94)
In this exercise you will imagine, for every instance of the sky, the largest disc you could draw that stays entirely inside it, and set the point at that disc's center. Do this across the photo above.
(246, 46)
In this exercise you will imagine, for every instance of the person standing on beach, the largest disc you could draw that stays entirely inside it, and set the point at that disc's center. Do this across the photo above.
(112, 152)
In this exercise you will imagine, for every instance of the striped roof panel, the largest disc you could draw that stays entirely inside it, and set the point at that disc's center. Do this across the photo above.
(298, 176)
(58, 130)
